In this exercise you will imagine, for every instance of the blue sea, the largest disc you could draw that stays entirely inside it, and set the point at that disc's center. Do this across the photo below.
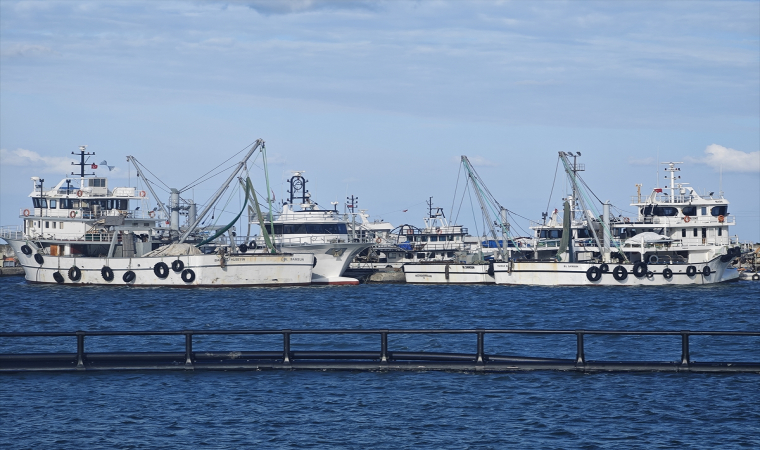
(333, 409)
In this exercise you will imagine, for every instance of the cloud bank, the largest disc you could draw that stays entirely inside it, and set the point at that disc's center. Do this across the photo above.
(730, 160)
(34, 161)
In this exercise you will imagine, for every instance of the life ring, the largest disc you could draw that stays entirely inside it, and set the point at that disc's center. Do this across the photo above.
(106, 273)
(151, 214)
(26, 213)
(58, 277)
(39, 258)
(75, 274)
(691, 271)
(604, 268)
(654, 259)
(620, 273)
(594, 273)
(438, 231)
(721, 218)
(378, 240)
(80, 193)
(161, 270)
(243, 248)
(626, 219)
(639, 269)
(188, 276)
(25, 249)
(73, 214)
(667, 273)
(706, 271)
(178, 265)
(129, 276)
(686, 219)
(142, 193)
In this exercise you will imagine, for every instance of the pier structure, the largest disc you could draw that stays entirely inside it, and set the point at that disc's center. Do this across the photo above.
(382, 356)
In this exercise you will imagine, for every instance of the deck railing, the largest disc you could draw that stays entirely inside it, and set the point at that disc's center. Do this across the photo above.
(382, 357)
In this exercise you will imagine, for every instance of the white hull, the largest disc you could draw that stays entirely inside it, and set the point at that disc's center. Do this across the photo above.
(206, 270)
(332, 261)
(451, 273)
(575, 274)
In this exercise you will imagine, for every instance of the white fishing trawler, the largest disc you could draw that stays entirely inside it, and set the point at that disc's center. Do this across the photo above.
(95, 234)
(436, 241)
(678, 237)
(304, 227)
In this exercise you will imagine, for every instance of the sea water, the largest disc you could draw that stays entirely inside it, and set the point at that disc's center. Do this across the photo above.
(317, 409)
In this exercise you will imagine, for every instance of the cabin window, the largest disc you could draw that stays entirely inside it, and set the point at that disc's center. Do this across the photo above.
(720, 231)
(719, 210)
(67, 203)
(689, 210)
(704, 233)
(450, 254)
(96, 182)
(652, 210)
(584, 234)
(704, 210)
(39, 202)
(451, 238)
(47, 224)
(551, 234)
(420, 256)
(408, 256)
(423, 238)
(52, 203)
(433, 238)
(696, 232)
(683, 232)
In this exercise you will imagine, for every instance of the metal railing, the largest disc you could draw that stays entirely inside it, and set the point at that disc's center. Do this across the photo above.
(381, 358)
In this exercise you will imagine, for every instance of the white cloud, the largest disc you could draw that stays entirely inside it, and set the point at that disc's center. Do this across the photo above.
(730, 160)
(479, 161)
(27, 50)
(34, 161)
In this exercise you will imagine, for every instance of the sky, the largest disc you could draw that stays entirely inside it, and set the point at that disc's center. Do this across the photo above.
(379, 99)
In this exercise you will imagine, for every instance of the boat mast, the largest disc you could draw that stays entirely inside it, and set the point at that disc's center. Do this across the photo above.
(220, 191)
(81, 164)
(140, 174)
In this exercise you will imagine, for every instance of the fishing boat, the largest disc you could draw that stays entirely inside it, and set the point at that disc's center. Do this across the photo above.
(303, 226)
(678, 237)
(90, 233)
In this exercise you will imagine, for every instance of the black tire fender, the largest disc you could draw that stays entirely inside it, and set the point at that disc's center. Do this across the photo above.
(706, 271)
(188, 276)
(39, 258)
(667, 273)
(594, 273)
(75, 274)
(106, 273)
(620, 273)
(639, 269)
(129, 276)
(691, 271)
(25, 249)
(243, 248)
(605, 268)
(58, 277)
(178, 265)
(161, 270)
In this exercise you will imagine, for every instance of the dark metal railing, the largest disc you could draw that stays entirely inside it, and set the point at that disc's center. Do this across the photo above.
(380, 359)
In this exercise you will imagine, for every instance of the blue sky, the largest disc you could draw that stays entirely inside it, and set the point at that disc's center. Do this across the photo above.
(379, 99)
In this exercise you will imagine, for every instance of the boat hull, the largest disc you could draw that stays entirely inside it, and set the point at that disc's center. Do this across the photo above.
(448, 273)
(545, 273)
(332, 260)
(208, 270)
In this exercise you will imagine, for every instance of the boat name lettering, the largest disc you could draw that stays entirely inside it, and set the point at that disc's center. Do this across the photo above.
(468, 267)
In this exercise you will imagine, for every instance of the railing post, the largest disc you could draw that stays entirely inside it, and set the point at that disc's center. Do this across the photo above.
(481, 338)
(384, 346)
(188, 349)
(286, 346)
(80, 349)
(580, 354)
(685, 358)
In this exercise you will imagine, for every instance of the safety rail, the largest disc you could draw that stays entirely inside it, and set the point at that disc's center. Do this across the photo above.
(84, 213)
(11, 232)
(382, 358)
